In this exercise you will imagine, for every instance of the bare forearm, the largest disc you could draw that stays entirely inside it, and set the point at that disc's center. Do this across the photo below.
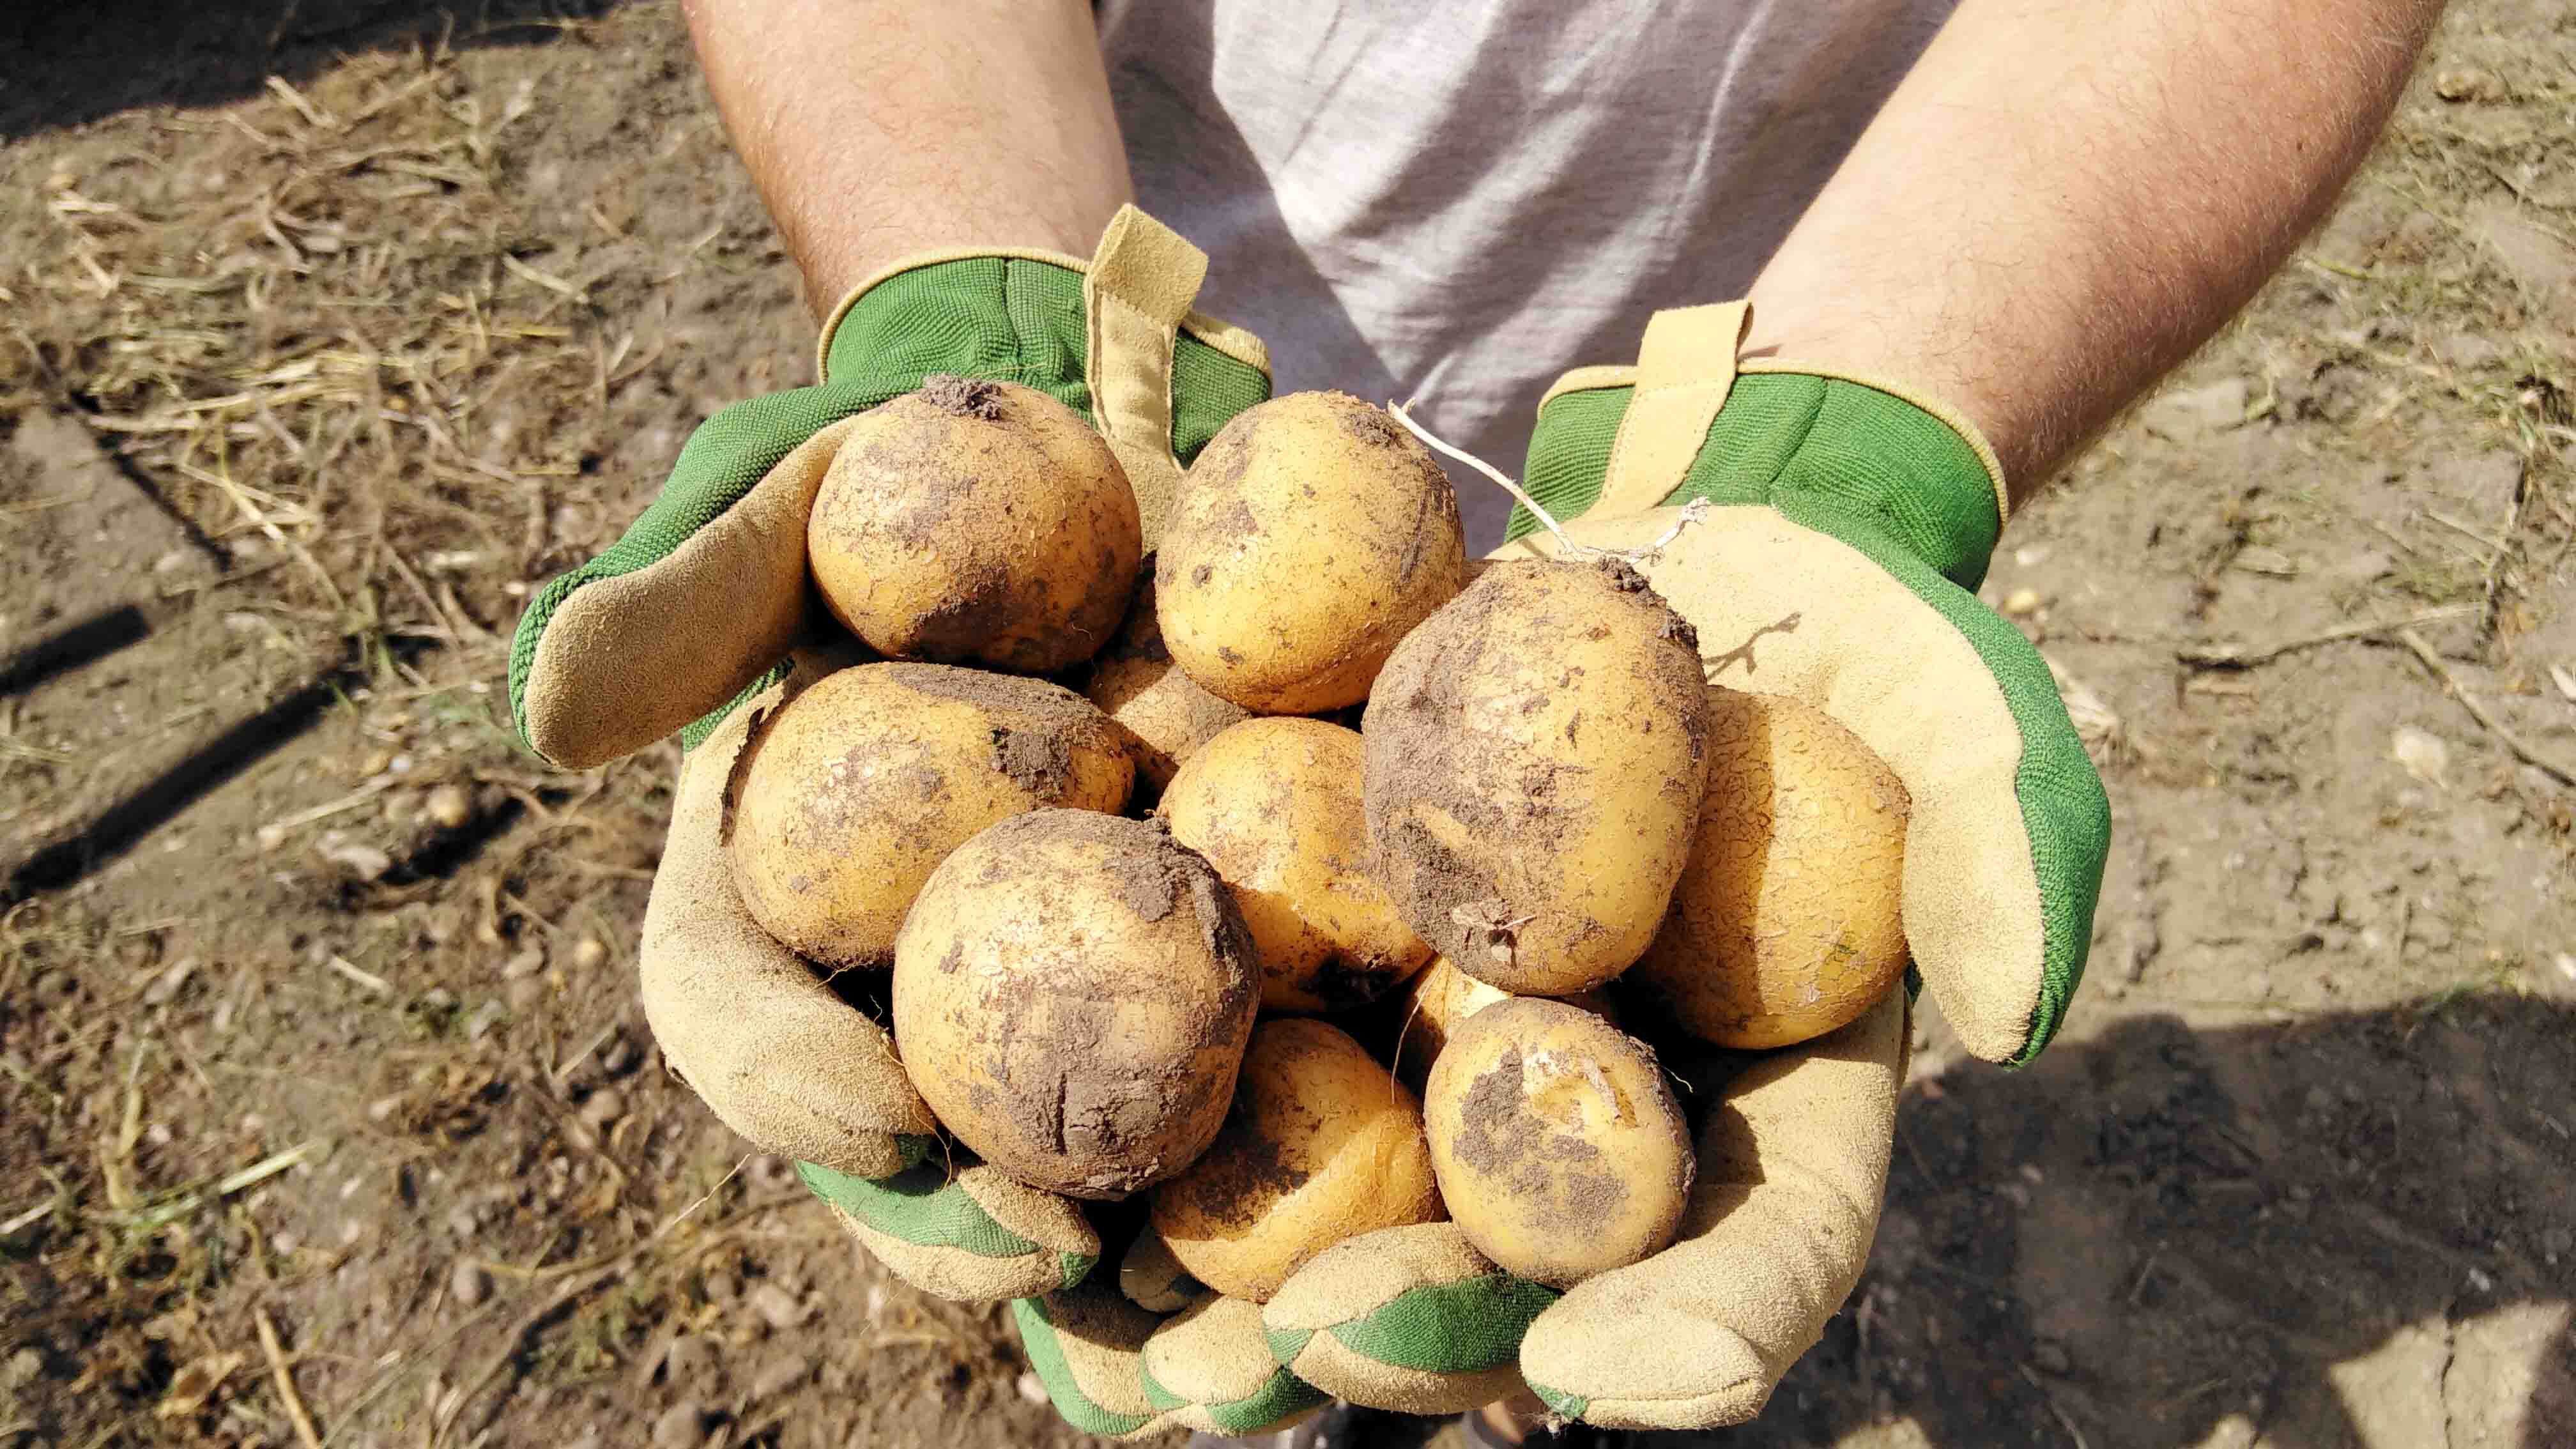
(2066, 196)
(876, 130)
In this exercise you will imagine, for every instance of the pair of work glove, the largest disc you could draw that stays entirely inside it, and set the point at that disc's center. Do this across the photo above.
(1835, 532)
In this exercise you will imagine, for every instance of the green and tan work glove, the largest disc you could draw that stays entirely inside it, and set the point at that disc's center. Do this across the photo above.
(1120, 1371)
(1825, 535)
(691, 616)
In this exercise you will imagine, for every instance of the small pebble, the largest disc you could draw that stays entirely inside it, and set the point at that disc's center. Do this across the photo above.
(780, 1376)
(682, 1426)
(777, 1307)
(723, 1287)
(603, 1107)
(376, 762)
(1032, 1388)
(167, 984)
(468, 1284)
(527, 963)
(464, 1220)
(487, 1016)
(619, 1056)
(2050, 1357)
(448, 807)
(2022, 603)
(589, 954)
(693, 1363)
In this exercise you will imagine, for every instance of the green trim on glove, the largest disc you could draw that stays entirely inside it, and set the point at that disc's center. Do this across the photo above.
(924, 1206)
(1010, 319)
(1788, 435)
(1568, 1407)
(1046, 1358)
(2064, 810)
(1472, 1325)
(1279, 1396)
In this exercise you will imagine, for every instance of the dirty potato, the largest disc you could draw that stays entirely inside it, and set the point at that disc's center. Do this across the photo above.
(1321, 1145)
(1135, 682)
(1559, 1149)
(1442, 996)
(1274, 805)
(848, 796)
(1072, 995)
(1788, 922)
(976, 521)
(1534, 767)
(1309, 536)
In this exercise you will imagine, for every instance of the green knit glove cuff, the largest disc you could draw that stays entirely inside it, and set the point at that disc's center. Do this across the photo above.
(1849, 448)
(1012, 319)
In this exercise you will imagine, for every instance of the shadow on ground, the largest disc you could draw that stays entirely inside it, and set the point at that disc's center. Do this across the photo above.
(62, 65)
(2154, 1231)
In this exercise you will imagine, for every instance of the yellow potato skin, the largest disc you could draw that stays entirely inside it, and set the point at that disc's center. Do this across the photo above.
(850, 794)
(976, 521)
(1072, 996)
(1788, 922)
(1274, 805)
(1321, 1145)
(1440, 997)
(1559, 1149)
(1534, 767)
(1309, 536)
(1135, 682)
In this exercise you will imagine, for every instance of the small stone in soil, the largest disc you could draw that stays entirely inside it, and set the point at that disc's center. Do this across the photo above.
(780, 1376)
(693, 1363)
(527, 963)
(605, 1106)
(447, 807)
(723, 1287)
(777, 1307)
(589, 955)
(619, 1056)
(682, 1426)
(1032, 1388)
(468, 1284)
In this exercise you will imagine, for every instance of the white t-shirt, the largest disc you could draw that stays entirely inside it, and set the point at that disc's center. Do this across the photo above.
(1459, 201)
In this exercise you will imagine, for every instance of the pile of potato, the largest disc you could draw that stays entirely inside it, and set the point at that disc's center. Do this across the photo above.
(1187, 933)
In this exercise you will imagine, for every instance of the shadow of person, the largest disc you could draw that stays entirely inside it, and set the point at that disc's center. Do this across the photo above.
(63, 65)
(2350, 1229)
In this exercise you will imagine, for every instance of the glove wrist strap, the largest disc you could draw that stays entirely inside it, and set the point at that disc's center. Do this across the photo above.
(1686, 369)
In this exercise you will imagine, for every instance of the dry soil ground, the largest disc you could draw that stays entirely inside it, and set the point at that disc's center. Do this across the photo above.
(328, 328)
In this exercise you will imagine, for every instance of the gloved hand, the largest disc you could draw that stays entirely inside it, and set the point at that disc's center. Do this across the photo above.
(692, 615)
(1117, 1370)
(1837, 530)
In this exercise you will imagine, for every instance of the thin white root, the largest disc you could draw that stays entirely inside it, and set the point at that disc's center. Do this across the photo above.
(1692, 512)
(1546, 519)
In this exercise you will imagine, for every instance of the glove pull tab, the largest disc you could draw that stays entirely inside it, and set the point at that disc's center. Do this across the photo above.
(1685, 369)
(1134, 296)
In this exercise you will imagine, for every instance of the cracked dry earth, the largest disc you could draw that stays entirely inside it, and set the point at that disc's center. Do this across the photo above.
(322, 1087)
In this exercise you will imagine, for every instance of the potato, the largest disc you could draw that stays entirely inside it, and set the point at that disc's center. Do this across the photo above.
(979, 521)
(1788, 922)
(1534, 766)
(1072, 995)
(1274, 805)
(847, 797)
(1441, 997)
(1136, 683)
(1559, 1149)
(1310, 535)
(1321, 1145)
